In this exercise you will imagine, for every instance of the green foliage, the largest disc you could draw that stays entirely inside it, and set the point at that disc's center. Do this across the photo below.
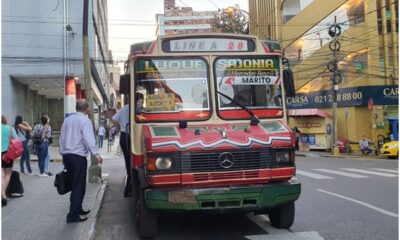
(230, 20)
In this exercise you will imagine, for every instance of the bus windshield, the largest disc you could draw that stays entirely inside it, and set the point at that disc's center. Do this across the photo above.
(177, 87)
(252, 81)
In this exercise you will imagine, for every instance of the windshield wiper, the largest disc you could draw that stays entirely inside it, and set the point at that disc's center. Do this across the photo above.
(254, 120)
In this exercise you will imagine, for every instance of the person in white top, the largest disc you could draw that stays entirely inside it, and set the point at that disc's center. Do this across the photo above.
(121, 120)
(76, 141)
(101, 133)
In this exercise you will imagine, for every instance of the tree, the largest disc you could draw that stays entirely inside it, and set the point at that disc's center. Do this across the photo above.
(230, 20)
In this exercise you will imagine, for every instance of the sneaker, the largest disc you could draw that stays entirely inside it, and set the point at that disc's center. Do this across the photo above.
(49, 174)
(30, 174)
(43, 175)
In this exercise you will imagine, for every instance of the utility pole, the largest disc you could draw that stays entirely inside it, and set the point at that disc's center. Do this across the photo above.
(94, 169)
(336, 78)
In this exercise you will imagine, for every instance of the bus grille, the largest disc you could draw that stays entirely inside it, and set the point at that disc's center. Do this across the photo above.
(242, 160)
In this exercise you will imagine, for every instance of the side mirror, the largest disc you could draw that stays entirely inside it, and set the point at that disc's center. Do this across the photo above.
(288, 83)
(288, 80)
(124, 84)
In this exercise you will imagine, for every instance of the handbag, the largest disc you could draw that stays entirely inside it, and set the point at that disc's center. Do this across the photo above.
(62, 183)
(14, 149)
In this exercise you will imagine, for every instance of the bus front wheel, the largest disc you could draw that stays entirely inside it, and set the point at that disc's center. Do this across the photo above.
(147, 219)
(282, 216)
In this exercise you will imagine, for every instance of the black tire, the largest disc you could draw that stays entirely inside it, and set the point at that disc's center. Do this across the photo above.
(147, 219)
(282, 216)
(135, 195)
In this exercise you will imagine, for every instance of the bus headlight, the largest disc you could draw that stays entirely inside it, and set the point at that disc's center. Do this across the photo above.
(163, 163)
(282, 157)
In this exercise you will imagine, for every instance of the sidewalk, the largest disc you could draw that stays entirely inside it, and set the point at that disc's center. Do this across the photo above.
(41, 212)
(342, 155)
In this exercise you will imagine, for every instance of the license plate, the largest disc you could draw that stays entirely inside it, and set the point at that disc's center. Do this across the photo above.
(182, 197)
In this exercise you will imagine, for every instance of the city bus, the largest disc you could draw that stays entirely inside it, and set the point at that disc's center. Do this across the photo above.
(208, 128)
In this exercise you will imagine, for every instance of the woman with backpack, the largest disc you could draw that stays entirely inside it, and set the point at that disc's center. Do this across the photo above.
(41, 135)
(23, 130)
(6, 166)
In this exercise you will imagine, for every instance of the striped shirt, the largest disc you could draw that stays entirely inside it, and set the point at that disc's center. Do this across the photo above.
(77, 136)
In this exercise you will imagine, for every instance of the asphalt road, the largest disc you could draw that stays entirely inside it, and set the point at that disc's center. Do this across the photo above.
(360, 203)
(341, 199)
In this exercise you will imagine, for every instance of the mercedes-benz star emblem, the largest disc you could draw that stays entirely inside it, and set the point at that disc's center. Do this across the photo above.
(226, 160)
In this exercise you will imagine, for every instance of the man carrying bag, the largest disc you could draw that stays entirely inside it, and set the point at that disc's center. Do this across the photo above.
(76, 140)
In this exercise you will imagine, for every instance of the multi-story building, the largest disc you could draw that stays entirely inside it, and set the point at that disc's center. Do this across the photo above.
(42, 48)
(176, 20)
(367, 61)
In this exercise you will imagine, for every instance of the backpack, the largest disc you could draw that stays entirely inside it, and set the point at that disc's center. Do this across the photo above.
(14, 149)
(37, 135)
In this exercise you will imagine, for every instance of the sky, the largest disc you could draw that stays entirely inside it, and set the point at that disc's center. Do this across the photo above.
(131, 21)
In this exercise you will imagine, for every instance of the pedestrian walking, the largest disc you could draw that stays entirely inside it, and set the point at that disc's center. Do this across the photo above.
(23, 129)
(77, 139)
(101, 133)
(121, 121)
(41, 135)
(6, 166)
(113, 132)
(48, 156)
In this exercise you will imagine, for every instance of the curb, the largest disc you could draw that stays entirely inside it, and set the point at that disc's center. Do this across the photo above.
(363, 157)
(90, 224)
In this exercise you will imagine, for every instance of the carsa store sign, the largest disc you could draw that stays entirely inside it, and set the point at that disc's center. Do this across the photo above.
(346, 97)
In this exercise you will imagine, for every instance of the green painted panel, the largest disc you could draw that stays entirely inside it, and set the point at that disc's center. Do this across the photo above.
(248, 198)
(161, 131)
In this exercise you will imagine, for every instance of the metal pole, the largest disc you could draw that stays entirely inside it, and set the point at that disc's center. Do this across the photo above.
(335, 150)
(65, 57)
(94, 169)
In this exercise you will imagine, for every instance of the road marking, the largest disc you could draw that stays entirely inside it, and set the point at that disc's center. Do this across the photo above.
(386, 170)
(287, 236)
(278, 234)
(312, 175)
(370, 172)
(352, 175)
(392, 214)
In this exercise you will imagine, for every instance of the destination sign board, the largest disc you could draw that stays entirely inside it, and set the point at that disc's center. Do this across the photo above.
(208, 45)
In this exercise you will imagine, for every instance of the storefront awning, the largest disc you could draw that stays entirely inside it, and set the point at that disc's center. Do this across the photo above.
(308, 112)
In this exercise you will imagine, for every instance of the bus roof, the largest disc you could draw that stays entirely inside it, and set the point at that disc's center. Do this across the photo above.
(183, 40)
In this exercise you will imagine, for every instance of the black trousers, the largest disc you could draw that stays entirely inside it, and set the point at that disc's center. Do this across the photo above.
(125, 143)
(76, 166)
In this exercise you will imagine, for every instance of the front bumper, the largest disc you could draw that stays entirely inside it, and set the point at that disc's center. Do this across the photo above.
(248, 198)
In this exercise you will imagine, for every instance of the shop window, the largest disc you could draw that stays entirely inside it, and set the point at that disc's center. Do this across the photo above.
(354, 67)
(396, 7)
(388, 16)
(379, 16)
(356, 14)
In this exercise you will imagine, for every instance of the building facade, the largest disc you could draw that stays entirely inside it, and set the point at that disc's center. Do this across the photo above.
(177, 20)
(367, 59)
(42, 48)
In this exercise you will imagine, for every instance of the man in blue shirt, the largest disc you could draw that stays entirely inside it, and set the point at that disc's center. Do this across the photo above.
(76, 141)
